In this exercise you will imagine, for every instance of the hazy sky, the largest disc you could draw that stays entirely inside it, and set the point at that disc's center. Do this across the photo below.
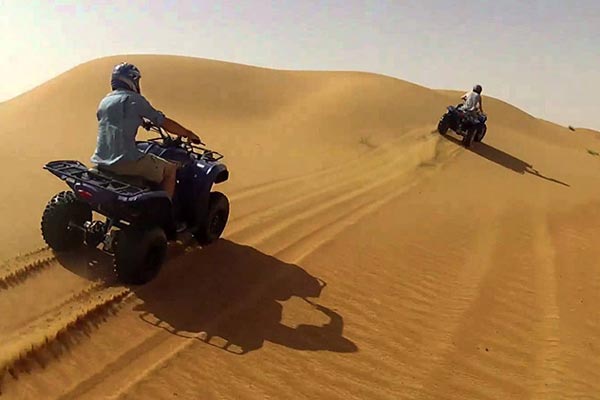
(542, 56)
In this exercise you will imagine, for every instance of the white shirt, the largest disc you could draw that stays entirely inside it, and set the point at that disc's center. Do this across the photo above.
(472, 101)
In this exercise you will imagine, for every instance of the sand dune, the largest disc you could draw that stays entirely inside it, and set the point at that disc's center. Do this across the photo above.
(366, 257)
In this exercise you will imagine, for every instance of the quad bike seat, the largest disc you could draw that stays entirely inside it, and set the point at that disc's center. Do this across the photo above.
(129, 179)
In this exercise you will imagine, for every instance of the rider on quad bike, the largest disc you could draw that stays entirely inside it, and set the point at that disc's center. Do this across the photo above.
(120, 114)
(467, 119)
(119, 206)
(472, 101)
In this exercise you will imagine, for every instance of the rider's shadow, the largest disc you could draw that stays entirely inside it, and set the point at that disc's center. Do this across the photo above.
(232, 296)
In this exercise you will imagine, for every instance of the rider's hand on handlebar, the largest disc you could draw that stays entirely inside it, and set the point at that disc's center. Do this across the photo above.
(147, 125)
(194, 138)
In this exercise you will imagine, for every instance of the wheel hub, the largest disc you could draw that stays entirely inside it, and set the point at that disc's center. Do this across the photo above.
(94, 233)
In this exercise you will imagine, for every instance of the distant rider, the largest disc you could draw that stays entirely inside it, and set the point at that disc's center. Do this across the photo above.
(119, 116)
(472, 101)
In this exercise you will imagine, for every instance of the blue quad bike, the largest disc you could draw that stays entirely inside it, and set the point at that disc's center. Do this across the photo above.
(139, 217)
(471, 127)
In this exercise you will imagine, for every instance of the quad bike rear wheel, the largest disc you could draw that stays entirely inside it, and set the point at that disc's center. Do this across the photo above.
(216, 219)
(139, 254)
(63, 220)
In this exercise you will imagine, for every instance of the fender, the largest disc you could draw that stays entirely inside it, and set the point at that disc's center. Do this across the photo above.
(204, 174)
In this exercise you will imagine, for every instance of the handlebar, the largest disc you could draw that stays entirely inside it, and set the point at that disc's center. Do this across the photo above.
(181, 141)
(149, 126)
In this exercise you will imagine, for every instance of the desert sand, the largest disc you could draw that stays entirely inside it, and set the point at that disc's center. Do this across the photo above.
(366, 256)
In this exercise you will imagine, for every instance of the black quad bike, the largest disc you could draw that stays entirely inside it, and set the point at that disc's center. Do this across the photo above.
(139, 217)
(472, 127)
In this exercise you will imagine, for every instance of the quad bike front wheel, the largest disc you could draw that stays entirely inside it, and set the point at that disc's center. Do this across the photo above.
(470, 135)
(481, 133)
(443, 125)
(63, 220)
(216, 219)
(139, 254)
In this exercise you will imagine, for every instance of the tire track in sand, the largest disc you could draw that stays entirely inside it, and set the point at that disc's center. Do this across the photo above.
(548, 362)
(377, 153)
(363, 170)
(18, 269)
(65, 316)
(505, 346)
(573, 233)
(25, 344)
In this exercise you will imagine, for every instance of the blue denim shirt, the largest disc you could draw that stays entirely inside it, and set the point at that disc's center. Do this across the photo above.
(119, 116)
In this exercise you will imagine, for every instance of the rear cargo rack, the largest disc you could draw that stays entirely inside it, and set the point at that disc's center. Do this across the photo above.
(72, 171)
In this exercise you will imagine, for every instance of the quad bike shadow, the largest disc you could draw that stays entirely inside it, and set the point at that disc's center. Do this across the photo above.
(504, 159)
(231, 296)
